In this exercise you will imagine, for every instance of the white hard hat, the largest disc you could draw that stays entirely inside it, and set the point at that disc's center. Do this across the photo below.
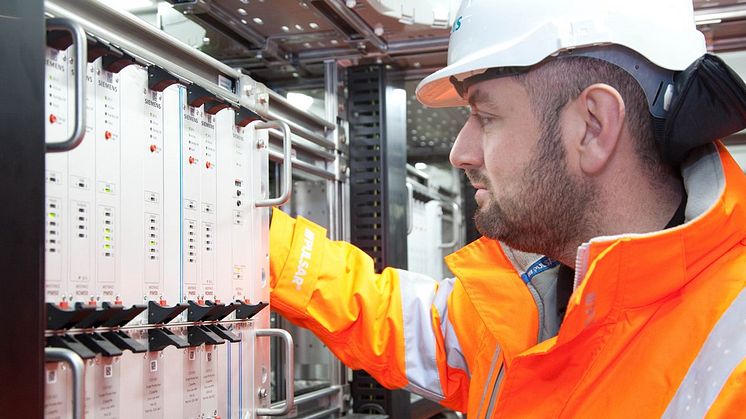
(501, 33)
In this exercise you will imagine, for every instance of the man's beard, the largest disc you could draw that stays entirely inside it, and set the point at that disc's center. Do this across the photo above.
(548, 212)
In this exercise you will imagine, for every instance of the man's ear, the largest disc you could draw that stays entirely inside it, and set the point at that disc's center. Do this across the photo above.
(601, 108)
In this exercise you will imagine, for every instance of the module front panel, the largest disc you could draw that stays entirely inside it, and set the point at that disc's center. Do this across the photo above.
(155, 253)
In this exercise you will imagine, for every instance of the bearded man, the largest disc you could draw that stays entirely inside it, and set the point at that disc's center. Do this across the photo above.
(610, 278)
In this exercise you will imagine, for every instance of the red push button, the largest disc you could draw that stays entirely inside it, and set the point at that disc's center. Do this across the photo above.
(153, 147)
(191, 160)
(107, 135)
(52, 118)
(208, 165)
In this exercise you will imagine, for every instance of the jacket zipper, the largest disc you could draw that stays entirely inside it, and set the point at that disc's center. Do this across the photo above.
(581, 264)
(581, 268)
(493, 396)
(489, 379)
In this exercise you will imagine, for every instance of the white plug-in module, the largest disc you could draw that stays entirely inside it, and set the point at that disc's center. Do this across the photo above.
(107, 184)
(58, 126)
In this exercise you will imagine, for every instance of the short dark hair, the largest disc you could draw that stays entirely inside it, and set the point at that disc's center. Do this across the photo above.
(552, 84)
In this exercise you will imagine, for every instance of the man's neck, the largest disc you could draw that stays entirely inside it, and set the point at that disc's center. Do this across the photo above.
(631, 208)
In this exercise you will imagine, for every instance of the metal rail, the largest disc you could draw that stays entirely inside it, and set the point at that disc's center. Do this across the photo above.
(302, 166)
(305, 148)
(323, 413)
(277, 98)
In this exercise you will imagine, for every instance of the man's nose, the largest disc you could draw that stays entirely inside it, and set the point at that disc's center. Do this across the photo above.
(466, 152)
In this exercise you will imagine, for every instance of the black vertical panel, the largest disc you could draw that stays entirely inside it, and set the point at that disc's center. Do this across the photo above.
(378, 198)
(378, 195)
(21, 213)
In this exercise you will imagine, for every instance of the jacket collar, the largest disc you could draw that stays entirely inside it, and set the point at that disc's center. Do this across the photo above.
(631, 271)
(623, 271)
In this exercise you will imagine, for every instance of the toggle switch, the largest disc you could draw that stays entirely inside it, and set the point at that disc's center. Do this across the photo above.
(245, 311)
(69, 342)
(98, 316)
(199, 335)
(210, 311)
(159, 339)
(124, 341)
(99, 344)
(158, 314)
(59, 318)
(223, 332)
(122, 315)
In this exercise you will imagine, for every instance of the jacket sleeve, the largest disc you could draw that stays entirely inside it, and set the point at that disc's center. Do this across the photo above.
(394, 325)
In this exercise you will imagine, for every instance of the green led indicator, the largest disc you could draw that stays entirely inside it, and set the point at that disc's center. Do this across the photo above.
(107, 189)
(107, 238)
(107, 230)
(52, 214)
(152, 243)
(107, 246)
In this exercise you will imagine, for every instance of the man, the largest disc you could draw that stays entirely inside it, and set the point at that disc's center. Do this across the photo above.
(590, 142)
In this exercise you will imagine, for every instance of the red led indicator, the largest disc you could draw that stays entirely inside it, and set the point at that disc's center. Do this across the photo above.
(153, 148)
(163, 303)
(64, 305)
(191, 160)
(107, 135)
(52, 118)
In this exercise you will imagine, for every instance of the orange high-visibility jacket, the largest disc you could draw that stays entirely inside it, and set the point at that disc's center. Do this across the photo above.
(656, 325)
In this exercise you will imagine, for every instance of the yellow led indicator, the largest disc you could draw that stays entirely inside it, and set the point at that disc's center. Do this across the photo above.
(107, 189)
(107, 230)
(52, 214)
(107, 246)
(152, 243)
(107, 238)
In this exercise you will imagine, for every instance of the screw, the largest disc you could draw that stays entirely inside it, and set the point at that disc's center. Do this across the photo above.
(260, 144)
(262, 392)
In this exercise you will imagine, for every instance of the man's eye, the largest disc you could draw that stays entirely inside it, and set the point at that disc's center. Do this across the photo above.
(483, 119)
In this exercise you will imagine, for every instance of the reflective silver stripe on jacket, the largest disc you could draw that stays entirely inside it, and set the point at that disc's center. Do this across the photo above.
(722, 352)
(454, 355)
(418, 294)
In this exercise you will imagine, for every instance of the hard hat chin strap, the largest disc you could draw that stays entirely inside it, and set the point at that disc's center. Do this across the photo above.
(657, 83)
